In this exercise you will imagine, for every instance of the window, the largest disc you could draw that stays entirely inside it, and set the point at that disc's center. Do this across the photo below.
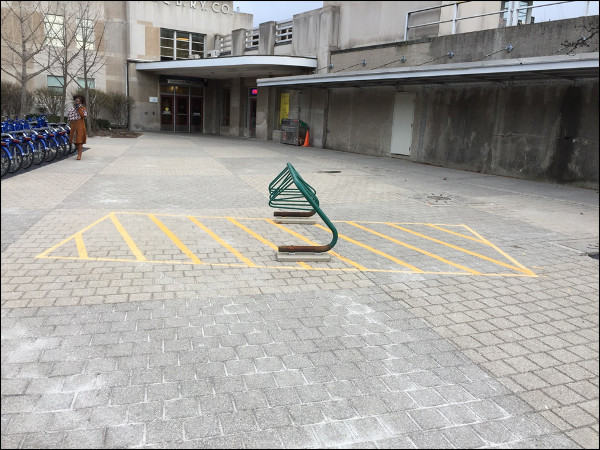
(85, 34)
(176, 45)
(55, 83)
(53, 27)
(91, 83)
(523, 14)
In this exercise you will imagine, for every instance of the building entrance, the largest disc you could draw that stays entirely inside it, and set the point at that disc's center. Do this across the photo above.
(182, 108)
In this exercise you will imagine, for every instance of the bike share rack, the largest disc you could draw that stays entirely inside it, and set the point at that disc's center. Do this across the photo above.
(289, 191)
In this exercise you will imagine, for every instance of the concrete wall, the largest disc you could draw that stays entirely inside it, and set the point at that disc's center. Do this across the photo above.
(544, 132)
(373, 22)
(360, 120)
(539, 39)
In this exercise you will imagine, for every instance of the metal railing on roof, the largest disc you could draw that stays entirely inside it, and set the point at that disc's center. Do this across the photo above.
(283, 32)
(252, 38)
(512, 15)
(225, 45)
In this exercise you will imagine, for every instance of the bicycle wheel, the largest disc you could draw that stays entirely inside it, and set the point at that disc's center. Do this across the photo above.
(27, 154)
(16, 153)
(39, 152)
(51, 149)
(5, 161)
(61, 150)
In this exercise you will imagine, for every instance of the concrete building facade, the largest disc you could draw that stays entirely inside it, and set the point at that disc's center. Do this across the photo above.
(478, 86)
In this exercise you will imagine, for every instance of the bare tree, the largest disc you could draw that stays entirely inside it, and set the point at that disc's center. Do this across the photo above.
(66, 50)
(49, 99)
(10, 99)
(24, 54)
(119, 106)
(90, 36)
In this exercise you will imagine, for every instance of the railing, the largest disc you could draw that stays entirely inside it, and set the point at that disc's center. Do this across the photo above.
(289, 191)
(512, 15)
(252, 38)
(283, 32)
(225, 45)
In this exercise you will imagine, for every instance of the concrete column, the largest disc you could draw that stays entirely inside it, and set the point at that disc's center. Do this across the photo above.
(236, 127)
(266, 39)
(263, 128)
(238, 42)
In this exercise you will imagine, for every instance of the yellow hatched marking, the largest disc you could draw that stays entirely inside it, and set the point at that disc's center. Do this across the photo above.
(64, 241)
(175, 240)
(222, 242)
(454, 232)
(439, 258)
(371, 249)
(134, 248)
(261, 239)
(524, 269)
(456, 247)
(81, 246)
(308, 241)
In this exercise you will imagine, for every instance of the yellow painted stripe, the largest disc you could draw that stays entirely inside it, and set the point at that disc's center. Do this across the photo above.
(455, 233)
(404, 244)
(134, 248)
(464, 250)
(308, 241)
(222, 242)
(262, 239)
(329, 269)
(175, 240)
(371, 249)
(81, 246)
(524, 269)
(64, 241)
(252, 233)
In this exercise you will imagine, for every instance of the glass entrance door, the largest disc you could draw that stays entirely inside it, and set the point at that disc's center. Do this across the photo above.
(166, 113)
(182, 116)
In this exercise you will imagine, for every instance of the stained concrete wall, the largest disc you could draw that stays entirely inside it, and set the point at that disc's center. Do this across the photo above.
(542, 131)
(360, 120)
(545, 132)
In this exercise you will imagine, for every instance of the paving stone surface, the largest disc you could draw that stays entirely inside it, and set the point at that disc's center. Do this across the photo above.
(143, 305)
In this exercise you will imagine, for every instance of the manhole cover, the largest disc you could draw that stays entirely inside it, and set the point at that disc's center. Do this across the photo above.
(438, 197)
(329, 171)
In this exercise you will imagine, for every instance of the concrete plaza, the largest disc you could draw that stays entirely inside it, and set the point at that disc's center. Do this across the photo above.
(143, 305)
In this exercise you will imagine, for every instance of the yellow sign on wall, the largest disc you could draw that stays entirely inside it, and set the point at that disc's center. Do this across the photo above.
(284, 107)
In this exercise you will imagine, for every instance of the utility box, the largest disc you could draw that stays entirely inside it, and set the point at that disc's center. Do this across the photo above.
(293, 132)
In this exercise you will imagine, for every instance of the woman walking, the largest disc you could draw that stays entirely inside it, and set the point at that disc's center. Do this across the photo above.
(77, 115)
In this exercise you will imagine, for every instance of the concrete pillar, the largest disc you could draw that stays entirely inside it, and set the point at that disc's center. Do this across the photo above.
(266, 38)
(236, 127)
(238, 42)
(263, 126)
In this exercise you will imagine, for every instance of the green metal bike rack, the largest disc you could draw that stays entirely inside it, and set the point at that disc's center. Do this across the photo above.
(289, 191)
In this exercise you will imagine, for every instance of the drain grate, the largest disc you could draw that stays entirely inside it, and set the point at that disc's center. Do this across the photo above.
(593, 255)
(329, 171)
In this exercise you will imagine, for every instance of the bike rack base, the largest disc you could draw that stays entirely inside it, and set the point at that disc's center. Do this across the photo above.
(301, 220)
(302, 257)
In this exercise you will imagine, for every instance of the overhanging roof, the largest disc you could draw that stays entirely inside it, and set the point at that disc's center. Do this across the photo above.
(536, 69)
(253, 66)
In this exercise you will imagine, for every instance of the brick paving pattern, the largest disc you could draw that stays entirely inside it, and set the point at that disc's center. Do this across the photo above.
(103, 347)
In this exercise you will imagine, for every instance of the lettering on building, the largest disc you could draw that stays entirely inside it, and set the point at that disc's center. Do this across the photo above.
(216, 7)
